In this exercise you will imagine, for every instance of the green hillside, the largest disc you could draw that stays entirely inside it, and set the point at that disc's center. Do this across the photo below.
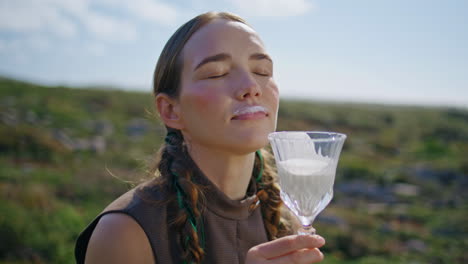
(400, 191)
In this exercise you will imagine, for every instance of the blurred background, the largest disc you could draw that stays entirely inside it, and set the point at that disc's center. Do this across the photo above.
(77, 124)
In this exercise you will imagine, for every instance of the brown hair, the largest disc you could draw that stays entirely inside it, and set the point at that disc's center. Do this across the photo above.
(174, 162)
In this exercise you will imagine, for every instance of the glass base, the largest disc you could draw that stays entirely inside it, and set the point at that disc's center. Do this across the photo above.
(306, 230)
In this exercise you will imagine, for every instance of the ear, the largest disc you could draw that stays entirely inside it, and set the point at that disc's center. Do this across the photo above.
(169, 111)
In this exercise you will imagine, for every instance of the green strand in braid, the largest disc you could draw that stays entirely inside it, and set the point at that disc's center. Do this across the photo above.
(181, 194)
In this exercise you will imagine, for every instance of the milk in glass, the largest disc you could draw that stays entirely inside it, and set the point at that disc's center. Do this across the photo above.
(306, 185)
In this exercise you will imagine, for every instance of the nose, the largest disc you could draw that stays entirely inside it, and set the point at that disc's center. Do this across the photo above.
(247, 87)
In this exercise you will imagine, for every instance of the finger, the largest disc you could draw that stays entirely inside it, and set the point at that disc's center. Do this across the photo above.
(310, 255)
(288, 244)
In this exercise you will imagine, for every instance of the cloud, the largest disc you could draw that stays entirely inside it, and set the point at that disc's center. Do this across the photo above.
(144, 10)
(105, 27)
(34, 16)
(65, 18)
(158, 12)
(273, 8)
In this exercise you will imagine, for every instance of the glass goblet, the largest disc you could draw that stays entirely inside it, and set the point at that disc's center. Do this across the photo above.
(306, 163)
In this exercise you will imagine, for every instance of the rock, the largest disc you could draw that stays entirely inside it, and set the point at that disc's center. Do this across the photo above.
(416, 245)
(137, 128)
(100, 127)
(405, 189)
(366, 190)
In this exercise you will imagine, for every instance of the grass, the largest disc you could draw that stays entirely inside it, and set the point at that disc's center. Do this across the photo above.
(51, 191)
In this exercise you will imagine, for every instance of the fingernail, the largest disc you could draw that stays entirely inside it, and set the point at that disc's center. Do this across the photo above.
(320, 239)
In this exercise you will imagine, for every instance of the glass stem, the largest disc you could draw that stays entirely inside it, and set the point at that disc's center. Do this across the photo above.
(306, 230)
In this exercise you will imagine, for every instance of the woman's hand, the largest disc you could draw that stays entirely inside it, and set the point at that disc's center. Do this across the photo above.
(290, 249)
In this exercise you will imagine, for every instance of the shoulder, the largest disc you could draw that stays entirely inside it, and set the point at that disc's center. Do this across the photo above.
(129, 227)
(118, 238)
(144, 195)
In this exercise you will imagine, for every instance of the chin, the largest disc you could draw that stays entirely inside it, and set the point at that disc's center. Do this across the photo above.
(249, 139)
(252, 143)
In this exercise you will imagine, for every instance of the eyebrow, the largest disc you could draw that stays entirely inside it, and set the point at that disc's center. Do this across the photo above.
(225, 56)
(260, 56)
(217, 57)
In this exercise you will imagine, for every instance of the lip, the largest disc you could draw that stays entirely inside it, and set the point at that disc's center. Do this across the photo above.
(251, 112)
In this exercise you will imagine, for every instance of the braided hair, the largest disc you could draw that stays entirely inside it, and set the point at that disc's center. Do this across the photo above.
(176, 174)
(174, 170)
(173, 165)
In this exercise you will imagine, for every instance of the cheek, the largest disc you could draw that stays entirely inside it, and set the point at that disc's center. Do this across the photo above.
(273, 93)
(200, 100)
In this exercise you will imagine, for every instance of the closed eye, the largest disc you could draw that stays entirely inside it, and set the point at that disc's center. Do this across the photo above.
(262, 74)
(217, 76)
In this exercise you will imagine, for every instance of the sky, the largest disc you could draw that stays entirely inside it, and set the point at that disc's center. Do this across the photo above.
(373, 51)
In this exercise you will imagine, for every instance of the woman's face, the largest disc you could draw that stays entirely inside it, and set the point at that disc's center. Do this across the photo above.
(228, 99)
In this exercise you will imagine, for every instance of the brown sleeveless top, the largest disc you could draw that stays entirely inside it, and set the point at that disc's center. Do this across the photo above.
(231, 227)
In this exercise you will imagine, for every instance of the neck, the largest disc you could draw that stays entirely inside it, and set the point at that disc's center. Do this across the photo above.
(230, 173)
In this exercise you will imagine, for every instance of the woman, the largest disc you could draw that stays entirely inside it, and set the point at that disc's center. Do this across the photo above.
(215, 199)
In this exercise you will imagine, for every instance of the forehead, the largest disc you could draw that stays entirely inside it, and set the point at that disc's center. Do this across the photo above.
(222, 36)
